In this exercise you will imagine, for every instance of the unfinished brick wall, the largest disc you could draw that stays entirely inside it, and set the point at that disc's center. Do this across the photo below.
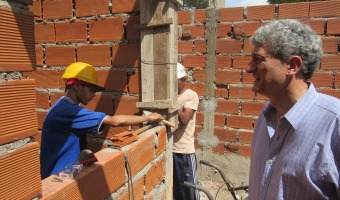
(102, 33)
(93, 32)
(108, 178)
(238, 108)
(19, 154)
(234, 106)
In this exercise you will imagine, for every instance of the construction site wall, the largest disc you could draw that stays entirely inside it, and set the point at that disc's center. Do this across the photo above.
(216, 56)
(43, 37)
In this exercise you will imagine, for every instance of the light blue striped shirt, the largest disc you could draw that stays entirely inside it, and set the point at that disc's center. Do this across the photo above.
(299, 159)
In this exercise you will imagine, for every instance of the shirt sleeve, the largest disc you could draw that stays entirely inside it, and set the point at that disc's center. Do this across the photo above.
(192, 101)
(82, 120)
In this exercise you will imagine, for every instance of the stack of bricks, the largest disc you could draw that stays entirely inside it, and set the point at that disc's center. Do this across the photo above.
(19, 154)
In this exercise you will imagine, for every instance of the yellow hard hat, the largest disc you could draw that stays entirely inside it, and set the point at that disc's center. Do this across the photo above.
(82, 71)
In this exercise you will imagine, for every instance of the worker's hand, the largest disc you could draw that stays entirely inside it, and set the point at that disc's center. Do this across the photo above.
(155, 117)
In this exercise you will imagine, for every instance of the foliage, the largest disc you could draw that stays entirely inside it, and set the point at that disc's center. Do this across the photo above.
(195, 4)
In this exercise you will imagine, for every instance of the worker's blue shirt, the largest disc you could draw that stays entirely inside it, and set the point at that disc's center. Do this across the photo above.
(64, 134)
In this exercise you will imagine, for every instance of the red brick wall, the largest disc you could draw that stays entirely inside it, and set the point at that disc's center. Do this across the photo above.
(93, 32)
(104, 35)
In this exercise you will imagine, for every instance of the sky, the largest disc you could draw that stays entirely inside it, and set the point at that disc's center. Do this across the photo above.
(242, 3)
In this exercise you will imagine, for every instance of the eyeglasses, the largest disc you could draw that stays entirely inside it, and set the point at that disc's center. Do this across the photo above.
(92, 88)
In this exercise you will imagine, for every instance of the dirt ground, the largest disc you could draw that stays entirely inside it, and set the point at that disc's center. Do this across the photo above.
(219, 191)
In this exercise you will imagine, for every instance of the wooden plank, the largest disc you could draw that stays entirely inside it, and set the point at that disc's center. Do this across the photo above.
(159, 104)
(161, 53)
(147, 72)
(155, 24)
(173, 52)
(159, 68)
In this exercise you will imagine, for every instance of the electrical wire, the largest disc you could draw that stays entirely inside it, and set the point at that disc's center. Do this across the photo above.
(219, 190)
(128, 169)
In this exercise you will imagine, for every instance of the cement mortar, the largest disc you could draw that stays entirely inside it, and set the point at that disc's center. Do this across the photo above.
(4, 149)
(5, 76)
(8, 3)
(207, 141)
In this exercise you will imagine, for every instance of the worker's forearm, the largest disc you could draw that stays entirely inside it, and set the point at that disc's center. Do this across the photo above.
(123, 120)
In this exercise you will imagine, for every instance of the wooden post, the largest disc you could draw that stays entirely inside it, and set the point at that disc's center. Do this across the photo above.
(158, 26)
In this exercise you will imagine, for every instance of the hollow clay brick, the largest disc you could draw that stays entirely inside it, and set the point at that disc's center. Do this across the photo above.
(60, 9)
(97, 181)
(20, 173)
(293, 10)
(161, 141)
(12, 105)
(141, 152)
(125, 6)
(90, 8)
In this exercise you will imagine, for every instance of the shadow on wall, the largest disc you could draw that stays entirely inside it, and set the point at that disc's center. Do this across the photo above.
(122, 82)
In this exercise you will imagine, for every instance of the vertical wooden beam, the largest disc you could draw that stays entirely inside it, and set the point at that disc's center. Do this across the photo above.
(146, 16)
(173, 88)
(159, 65)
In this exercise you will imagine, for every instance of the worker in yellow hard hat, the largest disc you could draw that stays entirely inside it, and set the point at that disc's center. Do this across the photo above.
(67, 123)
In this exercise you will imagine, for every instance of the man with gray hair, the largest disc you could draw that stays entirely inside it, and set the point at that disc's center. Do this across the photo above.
(295, 148)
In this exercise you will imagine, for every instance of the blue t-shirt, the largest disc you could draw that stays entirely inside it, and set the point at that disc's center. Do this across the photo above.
(64, 134)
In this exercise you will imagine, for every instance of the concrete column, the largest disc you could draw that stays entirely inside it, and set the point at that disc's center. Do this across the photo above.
(206, 139)
(217, 3)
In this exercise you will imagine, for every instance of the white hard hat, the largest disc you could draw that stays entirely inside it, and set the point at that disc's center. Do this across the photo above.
(180, 71)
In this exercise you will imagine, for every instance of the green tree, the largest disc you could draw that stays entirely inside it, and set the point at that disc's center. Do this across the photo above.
(288, 1)
(197, 4)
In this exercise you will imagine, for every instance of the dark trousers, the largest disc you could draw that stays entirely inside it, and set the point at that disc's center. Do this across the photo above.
(185, 168)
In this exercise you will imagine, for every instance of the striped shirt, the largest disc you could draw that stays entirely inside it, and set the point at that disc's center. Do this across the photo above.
(299, 158)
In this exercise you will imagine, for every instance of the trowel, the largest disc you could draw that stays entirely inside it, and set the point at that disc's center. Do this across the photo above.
(164, 121)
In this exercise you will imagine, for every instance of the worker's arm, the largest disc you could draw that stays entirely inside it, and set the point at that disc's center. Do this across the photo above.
(123, 120)
(185, 114)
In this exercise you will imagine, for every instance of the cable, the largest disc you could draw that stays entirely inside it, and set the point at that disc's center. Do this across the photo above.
(219, 190)
(128, 169)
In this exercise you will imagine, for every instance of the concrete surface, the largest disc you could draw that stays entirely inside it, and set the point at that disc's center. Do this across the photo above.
(235, 168)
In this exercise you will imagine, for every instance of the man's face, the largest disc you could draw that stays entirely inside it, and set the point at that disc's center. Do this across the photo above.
(85, 93)
(269, 72)
(181, 83)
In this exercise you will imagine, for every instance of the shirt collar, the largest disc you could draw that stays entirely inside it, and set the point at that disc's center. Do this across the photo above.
(296, 115)
(67, 99)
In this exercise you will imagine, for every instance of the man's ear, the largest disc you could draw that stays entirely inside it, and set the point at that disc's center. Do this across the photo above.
(294, 65)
